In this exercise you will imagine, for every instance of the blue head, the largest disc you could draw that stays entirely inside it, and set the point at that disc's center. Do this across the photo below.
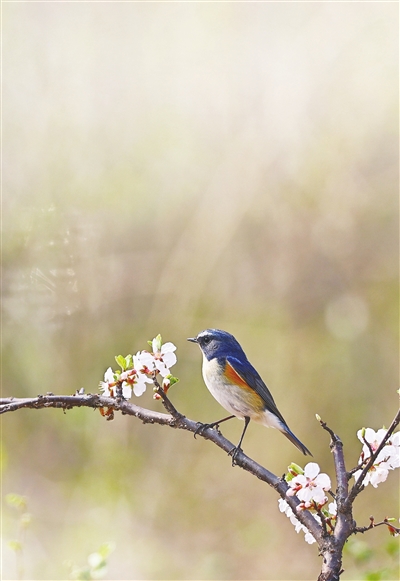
(215, 343)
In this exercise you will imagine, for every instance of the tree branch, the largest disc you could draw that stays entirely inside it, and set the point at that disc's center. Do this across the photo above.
(332, 552)
(336, 446)
(174, 420)
(330, 543)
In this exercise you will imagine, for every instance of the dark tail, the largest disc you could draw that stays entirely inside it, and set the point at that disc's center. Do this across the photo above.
(290, 436)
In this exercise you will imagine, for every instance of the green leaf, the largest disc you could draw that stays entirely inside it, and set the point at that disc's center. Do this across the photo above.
(172, 380)
(359, 550)
(129, 361)
(120, 359)
(295, 469)
(374, 575)
(16, 501)
(392, 547)
(15, 546)
(83, 574)
(158, 343)
(106, 549)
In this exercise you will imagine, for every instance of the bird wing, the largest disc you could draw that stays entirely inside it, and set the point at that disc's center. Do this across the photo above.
(251, 377)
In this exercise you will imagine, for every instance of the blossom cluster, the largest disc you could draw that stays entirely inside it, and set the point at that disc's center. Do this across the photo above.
(310, 487)
(387, 459)
(140, 369)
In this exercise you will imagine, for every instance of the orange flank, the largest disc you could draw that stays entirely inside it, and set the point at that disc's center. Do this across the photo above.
(249, 398)
(234, 377)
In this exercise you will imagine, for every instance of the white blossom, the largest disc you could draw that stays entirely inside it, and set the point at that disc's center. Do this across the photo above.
(311, 486)
(142, 369)
(164, 358)
(143, 362)
(139, 386)
(387, 459)
(104, 385)
(373, 438)
(309, 538)
(332, 508)
(298, 526)
(126, 390)
(284, 506)
(375, 475)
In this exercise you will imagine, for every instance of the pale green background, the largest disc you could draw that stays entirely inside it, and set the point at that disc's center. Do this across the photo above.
(170, 167)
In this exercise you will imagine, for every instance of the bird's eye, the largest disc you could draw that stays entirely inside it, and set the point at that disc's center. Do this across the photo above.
(206, 340)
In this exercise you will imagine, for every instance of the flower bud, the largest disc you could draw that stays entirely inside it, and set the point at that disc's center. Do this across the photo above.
(295, 469)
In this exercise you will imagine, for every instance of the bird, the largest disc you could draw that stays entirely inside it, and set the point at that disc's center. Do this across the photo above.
(238, 387)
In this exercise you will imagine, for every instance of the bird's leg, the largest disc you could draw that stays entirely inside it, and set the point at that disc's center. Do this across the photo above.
(203, 427)
(234, 452)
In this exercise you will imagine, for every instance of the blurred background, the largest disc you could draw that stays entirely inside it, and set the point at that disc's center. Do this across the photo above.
(170, 167)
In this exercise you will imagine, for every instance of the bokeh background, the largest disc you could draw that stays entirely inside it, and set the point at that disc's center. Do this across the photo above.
(169, 167)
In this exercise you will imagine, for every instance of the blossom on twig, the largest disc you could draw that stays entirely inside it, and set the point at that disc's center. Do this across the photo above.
(387, 459)
(164, 356)
(310, 486)
(139, 369)
(298, 526)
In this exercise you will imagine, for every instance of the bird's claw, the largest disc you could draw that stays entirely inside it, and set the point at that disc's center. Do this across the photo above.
(200, 429)
(234, 452)
(203, 427)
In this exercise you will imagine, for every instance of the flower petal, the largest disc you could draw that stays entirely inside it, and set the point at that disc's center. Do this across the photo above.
(109, 375)
(332, 508)
(283, 505)
(140, 387)
(311, 470)
(370, 435)
(143, 359)
(319, 496)
(126, 390)
(105, 389)
(395, 439)
(378, 476)
(169, 359)
(380, 434)
(323, 481)
(168, 348)
(306, 494)
(309, 538)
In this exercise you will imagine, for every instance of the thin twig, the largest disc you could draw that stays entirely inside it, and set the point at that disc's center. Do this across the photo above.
(322, 517)
(354, 470)
(336, 446)
(166, 401)
(371, 451)
(374, 524)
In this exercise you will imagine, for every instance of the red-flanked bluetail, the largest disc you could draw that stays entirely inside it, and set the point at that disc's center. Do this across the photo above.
(237, 386)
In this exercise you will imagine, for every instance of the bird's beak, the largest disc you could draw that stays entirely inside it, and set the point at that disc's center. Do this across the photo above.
(192, 339)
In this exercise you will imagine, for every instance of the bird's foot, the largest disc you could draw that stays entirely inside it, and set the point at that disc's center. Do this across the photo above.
(203, 427)
(234, 452)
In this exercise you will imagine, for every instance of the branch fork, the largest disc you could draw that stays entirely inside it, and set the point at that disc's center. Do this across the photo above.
(330, 542)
